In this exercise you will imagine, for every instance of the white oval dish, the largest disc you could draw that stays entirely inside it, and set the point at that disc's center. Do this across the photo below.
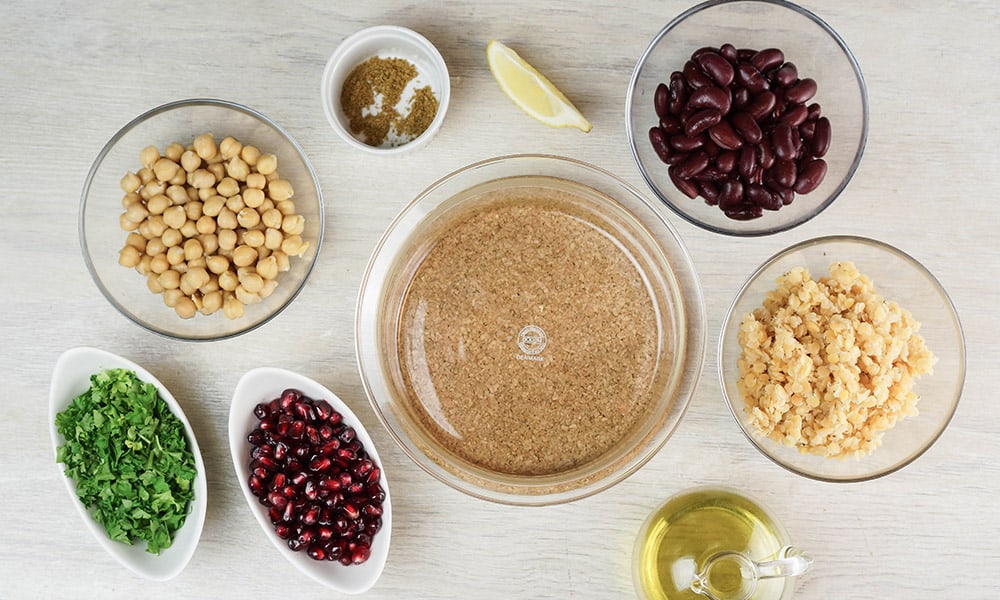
(263, 385)
(70, 378)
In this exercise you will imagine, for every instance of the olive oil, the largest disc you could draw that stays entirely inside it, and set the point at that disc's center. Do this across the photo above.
(679, 538)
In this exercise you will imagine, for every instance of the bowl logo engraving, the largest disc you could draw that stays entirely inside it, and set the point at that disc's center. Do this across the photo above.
(531, 340)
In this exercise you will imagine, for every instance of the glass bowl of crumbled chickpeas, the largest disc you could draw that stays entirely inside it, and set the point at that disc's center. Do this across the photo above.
(842, 359)
(201, 219)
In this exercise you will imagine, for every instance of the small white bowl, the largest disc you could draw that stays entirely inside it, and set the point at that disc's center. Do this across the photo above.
(71, 378)
(263, 385)
(385, 41)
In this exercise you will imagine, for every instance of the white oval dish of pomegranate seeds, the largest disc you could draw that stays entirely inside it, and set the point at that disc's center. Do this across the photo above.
(70, 378)
(262, 385)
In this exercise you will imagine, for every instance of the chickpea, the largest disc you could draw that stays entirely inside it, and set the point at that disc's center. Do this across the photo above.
(202, 193)
(193, 209)
(253, 238)
(246, 297)
(153, 283)
(230, 147)
(279, 189)
(293, 245)
(131, 198)
(212, 285)
(205, 146)
(175, 255)
(174, 151)
(171, 297)
(202, 178)
(231, 307)
(190, 161)
(235, 203)
(155, 247)
(285, 207)
(205, 224)
(152, 188)
(228, 187)
(144, 231)
(194, 193)
(250, 281)
(218, 264)
(267, 164)
(169, 279)
(158, 264)
(174, 217)
(193, 279)
(146, 174)
(248, 218)
(210, 243)
(189, 229)
(197, 263)
(126, 224)
(227, 240)
(267, 267)
(130, 182)
(266, 206)
(293, 224)
(129, 256)
(228, 281)
(179, 178)
(244, 256)
(136, 213)
(227, 219)
(148, 156)
(272, 218)
(165, 169)
(256, 181)
(273, 238)
(211, 302)
(269, 287)
(171, 237)
(193, 249)
(253, 197)
(178, 194)
(136, 241)
(213, 206)
(185, 308)
(217, 169)
(237, 168)
(156, 225)
(250, 154)
(282, 259)
(144, 267)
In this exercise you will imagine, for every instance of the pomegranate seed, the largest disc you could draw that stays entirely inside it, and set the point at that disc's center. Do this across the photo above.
(374, 474)
(334, 499)
(280, 450)
(290, 491)
(347, 455)
(268, 424)
(256, 437)
(278, 481)
(288, 398)
(256, 484)
(312, 434)
(348, 434)
(260, 472)
(311, 490)
(316, 552)
(288, 516)
(335, 418)
(275, 514)
(361, 554)
(297, 429)
(372, 510)
(302, 451)
(310, 516)
(268, 463)
(329, 448)
(277, 500)
(320, 464)
(323, 410)
(363, 467)
(356, 488)
(283, 531)
(293, 465)
(325, 516)
(350, 511)
(300, 478)
(325, 432)
(262, 411)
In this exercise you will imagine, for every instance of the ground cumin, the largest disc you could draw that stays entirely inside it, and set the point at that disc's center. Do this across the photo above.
(371, 96)
(529, 342)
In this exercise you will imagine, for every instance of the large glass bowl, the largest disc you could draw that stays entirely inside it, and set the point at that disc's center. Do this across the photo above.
(102, 238)
(808, 42)
(509, 360)
(898, 277)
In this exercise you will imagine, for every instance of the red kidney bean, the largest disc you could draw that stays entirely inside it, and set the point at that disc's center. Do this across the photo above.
(767, 59)
(730, 194)
(677, 158)
(671, 125)
(759, 196)
(745, 54)
(701, 51)
(725, 136)
(786, 195)
(695, 78)
(711, 148)
(783, 142)
(686, 186)
(686, 143)
(661, 100)
(784, 173)
(801, 92)
(821, 137)
(726, 161)
(786, 74)
(696, 163)
(678, 93)
(710, 174)
(795, 116)
(807, 130)
(710, 97)
(749, 77)
(761, 105)
(701, 121)
(741, 98)
(815, 112)
(744, 213)
(716, 67)
(811, 174)
(765, 156)
(728, 52)
(746, 164)
(709, 192)
(659, 142)
(747, 127)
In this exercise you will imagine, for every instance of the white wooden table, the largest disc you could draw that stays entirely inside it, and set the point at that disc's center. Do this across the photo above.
(72, 74)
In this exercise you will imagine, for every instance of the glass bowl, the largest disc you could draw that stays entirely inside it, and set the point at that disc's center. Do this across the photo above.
(812, 45)
(102, 238)
(897, 277)
(530, 330)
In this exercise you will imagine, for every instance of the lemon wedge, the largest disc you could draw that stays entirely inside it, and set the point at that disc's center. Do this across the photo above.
(531, 90)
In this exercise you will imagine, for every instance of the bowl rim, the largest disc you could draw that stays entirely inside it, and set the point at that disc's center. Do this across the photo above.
(686, 215)
(110, 144)
(695, 352)
(917, 265)
(335, 64)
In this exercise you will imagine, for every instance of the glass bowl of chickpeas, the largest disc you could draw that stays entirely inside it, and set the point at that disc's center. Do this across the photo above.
(201, 219)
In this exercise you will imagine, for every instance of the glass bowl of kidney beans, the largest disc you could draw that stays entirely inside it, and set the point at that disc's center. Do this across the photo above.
(747, 117)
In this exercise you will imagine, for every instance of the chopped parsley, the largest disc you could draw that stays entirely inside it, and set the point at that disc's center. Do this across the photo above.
(129, 457)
